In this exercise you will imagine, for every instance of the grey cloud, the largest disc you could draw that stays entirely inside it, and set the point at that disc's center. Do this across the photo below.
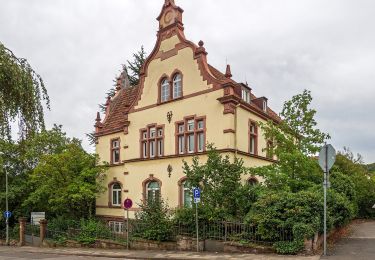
(279, 47)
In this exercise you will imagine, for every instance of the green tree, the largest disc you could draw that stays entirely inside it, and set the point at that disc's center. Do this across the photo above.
(66, 183)
(363, 185)
(296, 139)
(220, 181)
(155, 220)
(131, 71)
(22, 93)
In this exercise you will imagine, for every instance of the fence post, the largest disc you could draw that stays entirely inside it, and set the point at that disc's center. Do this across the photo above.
(22, 222)
(43, 230)
(226, 230)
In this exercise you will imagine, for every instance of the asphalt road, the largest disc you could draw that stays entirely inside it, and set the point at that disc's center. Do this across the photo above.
(360, 245)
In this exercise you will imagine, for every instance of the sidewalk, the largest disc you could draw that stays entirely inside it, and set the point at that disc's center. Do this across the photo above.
(124, 254)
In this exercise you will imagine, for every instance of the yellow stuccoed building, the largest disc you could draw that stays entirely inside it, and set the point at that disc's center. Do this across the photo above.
(181, 104)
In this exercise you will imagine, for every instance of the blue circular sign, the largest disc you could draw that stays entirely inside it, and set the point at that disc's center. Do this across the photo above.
(7, 214)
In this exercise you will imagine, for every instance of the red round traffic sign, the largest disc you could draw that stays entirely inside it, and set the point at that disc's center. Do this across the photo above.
(128, 203)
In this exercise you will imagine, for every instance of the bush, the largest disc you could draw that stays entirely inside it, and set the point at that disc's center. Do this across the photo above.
(155, 221)
(299, 213)
(288, 248)
(91, 230)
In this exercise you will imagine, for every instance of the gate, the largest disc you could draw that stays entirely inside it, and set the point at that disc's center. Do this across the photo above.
(32, 235)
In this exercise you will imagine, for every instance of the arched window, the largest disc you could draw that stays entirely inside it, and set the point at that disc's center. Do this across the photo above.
(153, 190)
(165, 90)
(116, 194)
(187, 196)
(177, 86)
(252, 181)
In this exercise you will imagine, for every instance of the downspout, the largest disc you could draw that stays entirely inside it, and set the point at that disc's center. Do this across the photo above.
(235, 130)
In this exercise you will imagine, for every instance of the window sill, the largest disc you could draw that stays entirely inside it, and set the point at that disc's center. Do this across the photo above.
(169, 101)
(116, 164)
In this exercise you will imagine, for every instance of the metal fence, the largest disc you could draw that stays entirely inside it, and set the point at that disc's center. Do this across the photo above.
(220, 230)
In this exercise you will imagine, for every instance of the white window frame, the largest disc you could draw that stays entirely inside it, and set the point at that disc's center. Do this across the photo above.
(116, 227)
(165, 91)
(177, 86)
(116, 194)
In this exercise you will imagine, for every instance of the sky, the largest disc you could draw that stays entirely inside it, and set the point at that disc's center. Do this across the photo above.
(280, 47)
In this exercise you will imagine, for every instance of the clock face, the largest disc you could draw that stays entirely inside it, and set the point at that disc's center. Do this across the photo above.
(168, 17)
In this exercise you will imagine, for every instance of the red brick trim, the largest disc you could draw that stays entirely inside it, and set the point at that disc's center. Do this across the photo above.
(252, 180)
(181, 191)
(196, 131)
(148, 140)
(226, 131)
(226, 150)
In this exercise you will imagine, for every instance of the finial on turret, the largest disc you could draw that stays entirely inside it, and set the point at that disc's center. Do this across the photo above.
(228, 73)
(97, 117)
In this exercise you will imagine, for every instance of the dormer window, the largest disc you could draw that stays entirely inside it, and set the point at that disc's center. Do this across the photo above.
(165, 90)
(264, 106)
(246, 95)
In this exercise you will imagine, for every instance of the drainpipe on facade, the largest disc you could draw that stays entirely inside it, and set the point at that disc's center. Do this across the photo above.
(235, 131)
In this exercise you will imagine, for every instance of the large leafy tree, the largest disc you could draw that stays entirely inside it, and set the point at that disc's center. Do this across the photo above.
(296, 139)
(22, 93)
(223, 193)
(33, 165)
(66, 183)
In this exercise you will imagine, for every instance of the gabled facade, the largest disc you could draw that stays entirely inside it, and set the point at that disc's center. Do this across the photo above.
(181, 104)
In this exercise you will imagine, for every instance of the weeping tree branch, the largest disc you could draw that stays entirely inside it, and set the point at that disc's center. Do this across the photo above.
(22, 94)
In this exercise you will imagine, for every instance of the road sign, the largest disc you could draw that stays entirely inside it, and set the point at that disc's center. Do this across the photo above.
(128, 203)
(327, 157)
(373, 206)
(197, 195)
(7, 214)
(36, 217)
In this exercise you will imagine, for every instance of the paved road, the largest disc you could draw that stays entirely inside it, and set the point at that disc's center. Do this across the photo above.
(360, 245)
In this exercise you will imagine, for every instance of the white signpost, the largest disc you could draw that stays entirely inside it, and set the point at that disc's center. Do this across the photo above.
(36, 217)
(327, 158)
(197, 199)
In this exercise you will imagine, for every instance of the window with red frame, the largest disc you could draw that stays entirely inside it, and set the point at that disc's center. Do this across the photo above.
(191, 135)
(152, 142)
(253, 144)
(115, 151)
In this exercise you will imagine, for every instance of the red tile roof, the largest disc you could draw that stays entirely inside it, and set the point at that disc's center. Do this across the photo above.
(119, 106)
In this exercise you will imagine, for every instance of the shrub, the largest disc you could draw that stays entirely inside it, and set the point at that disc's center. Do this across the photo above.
(91, 230)
(288, 247)
(155, 221)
